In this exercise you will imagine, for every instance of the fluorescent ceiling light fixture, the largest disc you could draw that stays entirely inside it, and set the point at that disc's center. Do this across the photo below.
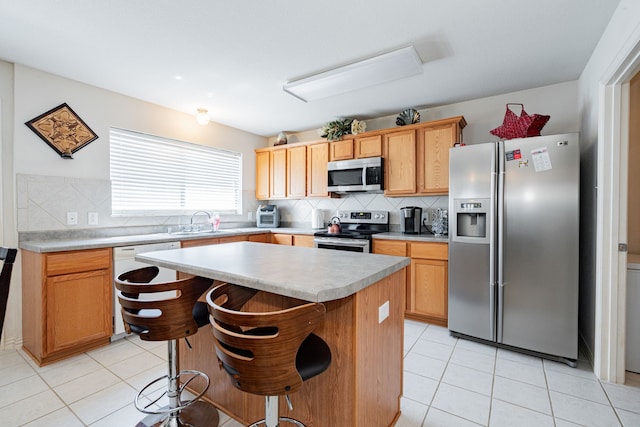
(399, 64)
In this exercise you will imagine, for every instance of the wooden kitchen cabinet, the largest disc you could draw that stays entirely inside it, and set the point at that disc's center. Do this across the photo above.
(434, 143)
(426, 282)
(296, 172)
(278, 174)
(303, 240)
(341, 150)
(368, 146)
(400, 163)
(282, 239)
(292, 239)
(428, 295)
(260, 238)
(67, 302)
(262, 175)
(317, 178)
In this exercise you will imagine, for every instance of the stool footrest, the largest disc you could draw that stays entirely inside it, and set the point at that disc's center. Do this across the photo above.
(183, 403)
(285, 419)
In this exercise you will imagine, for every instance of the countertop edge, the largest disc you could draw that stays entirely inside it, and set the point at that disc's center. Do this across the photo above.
(47, 246)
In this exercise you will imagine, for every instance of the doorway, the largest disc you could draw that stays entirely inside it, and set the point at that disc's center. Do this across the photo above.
(632, 324)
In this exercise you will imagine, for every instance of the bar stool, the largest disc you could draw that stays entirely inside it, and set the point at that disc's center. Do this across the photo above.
(162, 318)
(7, 256)
(268, 353)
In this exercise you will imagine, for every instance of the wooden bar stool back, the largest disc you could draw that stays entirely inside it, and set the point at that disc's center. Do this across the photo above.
(8, 256)
(158, 317)
(267, 353)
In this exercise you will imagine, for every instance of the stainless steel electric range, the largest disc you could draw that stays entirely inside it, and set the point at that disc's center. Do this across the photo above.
(357, 229)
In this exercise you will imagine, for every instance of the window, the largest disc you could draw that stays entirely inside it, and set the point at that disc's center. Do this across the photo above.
(151, 175)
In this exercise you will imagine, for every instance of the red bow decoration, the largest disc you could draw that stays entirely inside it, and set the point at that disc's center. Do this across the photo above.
(514, 126)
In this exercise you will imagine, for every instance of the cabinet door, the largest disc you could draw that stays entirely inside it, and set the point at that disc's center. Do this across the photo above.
(433, 158)
(400, 163)
(429, 288)
(368, 146)
(278, 174)
(297, 172)
(262, 175)
(317, 180)
(78, 309)
(341, 150)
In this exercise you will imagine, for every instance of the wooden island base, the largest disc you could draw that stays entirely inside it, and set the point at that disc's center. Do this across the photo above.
(363, 385)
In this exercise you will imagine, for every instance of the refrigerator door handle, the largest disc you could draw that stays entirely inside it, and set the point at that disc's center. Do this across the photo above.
(500, 222)
(492, 247)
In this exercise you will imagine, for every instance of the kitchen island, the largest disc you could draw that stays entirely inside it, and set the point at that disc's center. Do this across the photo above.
(363, 295)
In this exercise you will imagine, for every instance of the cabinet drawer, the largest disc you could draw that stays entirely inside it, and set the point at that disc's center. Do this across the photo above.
(429, 250)
(389, 247)
(77, 261)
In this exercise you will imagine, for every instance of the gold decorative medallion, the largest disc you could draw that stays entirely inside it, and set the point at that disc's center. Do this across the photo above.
(62, 130)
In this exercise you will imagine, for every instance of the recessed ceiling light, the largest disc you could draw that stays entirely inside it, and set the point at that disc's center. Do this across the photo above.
(178, 77)
(384, 68)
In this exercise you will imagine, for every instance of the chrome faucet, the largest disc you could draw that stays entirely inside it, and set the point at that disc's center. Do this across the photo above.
(200, 212)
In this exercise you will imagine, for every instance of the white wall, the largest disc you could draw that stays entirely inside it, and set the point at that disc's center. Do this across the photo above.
(27, 93)
(559, 101)
(598, 290)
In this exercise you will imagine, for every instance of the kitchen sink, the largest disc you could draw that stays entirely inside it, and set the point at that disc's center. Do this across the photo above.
(184, 230)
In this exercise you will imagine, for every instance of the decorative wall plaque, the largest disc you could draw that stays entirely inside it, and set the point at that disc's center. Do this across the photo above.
(62, 130)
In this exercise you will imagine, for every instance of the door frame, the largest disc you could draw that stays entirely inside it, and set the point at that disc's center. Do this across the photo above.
(611, 263)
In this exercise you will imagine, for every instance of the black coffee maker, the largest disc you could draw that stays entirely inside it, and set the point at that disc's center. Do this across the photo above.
(411, 220)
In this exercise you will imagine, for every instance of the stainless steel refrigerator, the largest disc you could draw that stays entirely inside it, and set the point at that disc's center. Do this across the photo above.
(513, 244)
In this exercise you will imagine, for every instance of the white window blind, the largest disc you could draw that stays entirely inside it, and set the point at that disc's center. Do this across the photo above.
(151, 175)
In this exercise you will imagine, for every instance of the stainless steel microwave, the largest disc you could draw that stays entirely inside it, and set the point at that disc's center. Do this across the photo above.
(356, 175)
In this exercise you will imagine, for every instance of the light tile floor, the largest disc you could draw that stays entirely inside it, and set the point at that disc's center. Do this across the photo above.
(447, 383)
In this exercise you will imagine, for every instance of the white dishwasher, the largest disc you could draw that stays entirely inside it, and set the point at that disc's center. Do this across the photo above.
(123, 261)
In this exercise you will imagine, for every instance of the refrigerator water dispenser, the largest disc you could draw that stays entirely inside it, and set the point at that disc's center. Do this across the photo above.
(471, 221)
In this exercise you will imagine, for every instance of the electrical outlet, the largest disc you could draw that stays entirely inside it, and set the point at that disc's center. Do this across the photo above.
(72, 218)
(250, 215)
(92, 218)
(383, 312)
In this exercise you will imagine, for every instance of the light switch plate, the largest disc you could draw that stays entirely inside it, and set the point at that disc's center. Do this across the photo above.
(383, 312)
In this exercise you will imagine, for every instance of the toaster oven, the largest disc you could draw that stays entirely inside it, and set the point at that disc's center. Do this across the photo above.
(267, 216)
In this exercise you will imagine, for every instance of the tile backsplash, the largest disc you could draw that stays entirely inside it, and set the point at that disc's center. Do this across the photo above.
(43, 203)
(298, 212)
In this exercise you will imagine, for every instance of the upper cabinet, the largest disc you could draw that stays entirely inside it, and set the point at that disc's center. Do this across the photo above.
(341, 150)
(368, 146)
(356, 147)
(416, 161)
(262, 175)
(433, 147)
(297, 172)
(400, 163)
(292, 172)
(278, 174)
(417, 157)
(317, 159)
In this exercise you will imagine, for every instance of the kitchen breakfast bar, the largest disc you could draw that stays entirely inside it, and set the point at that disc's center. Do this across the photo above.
(364, 299)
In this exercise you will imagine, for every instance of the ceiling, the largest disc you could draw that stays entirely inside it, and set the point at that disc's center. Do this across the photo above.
(234, 56)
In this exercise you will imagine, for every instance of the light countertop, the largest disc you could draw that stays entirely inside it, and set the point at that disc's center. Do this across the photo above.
(55, 244)
(298, 272)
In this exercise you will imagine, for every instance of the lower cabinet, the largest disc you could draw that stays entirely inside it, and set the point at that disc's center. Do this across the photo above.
(292, 239)
(427, 281)
(66, 302)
